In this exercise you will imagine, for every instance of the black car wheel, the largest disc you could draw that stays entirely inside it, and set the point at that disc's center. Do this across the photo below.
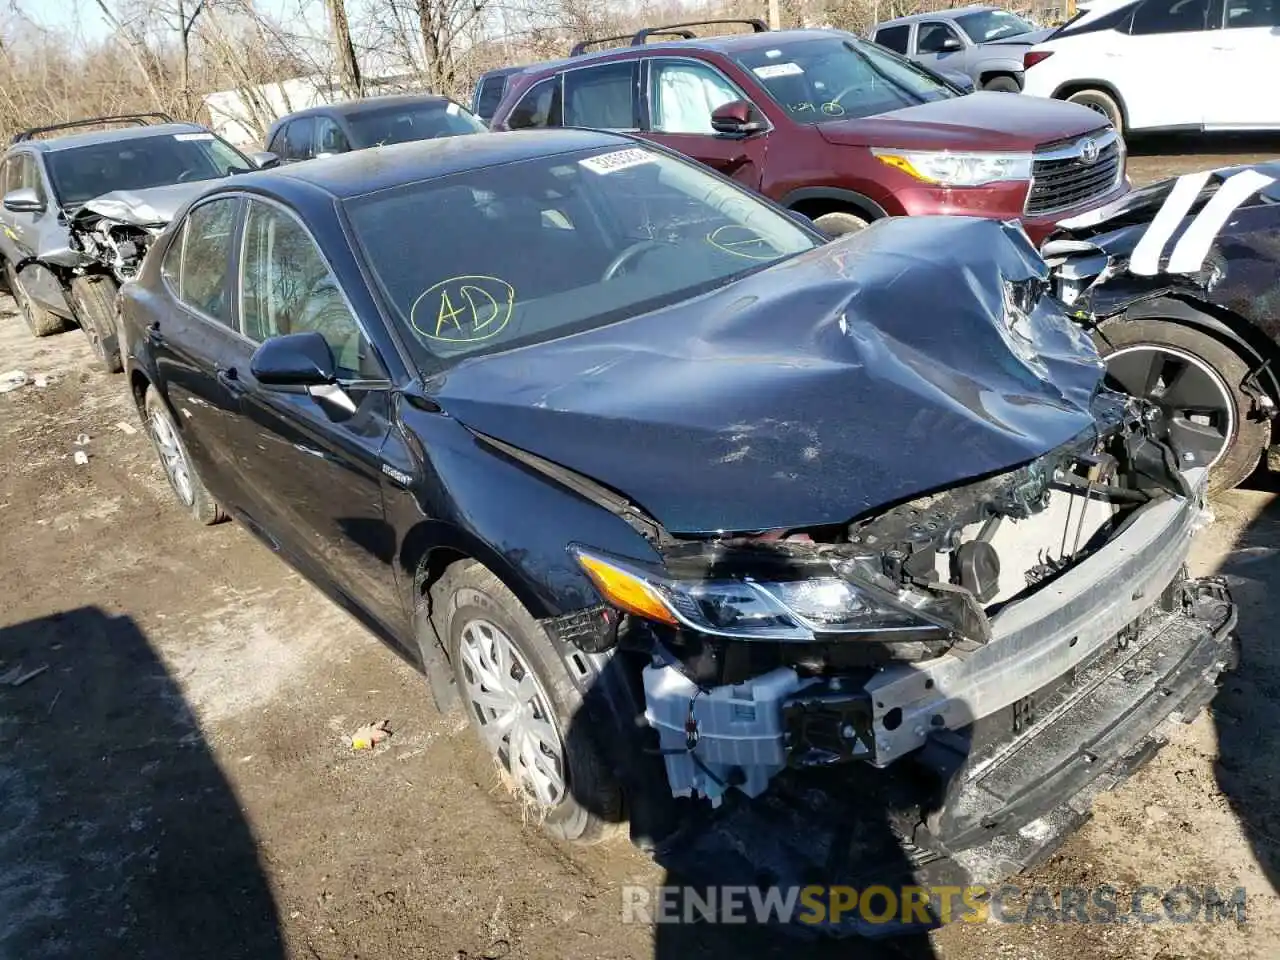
(523, 704)
(41, 322)
(1102, 103)
(178, 468)
(94, 299)
(1196, 381)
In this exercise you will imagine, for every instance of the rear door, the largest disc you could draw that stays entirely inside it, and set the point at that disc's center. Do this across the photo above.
(1246, 51)
(187, 339)
(311, 466)
(1164, 69)
(680, 95)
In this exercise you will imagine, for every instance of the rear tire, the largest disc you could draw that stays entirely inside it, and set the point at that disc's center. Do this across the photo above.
(94, 298)
(500, 655)
(176, 462)
(41, 322)
(1100, 102)
(1002, 85)
(839, 223)
(1187, 352)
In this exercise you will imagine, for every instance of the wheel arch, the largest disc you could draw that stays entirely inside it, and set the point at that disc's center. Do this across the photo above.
(988, 74)
(815, 201)
(1078, 85)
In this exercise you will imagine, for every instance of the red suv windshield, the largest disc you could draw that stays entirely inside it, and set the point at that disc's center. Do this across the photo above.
(831, 78)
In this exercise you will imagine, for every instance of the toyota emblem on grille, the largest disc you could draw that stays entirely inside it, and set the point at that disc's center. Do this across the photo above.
(1089, 152)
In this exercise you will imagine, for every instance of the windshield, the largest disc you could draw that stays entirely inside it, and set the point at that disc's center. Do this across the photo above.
(136, 163)
(832, 78)
(984, 25)
(504, 256)
(413, 121)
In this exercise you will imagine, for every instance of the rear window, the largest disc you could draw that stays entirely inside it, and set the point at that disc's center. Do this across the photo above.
(415, 121)
(895, 38)
(537, 249)
(817, 81)
(137, 163)
(489, 95)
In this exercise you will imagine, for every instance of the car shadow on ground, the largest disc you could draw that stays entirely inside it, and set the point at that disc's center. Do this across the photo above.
(1246, 711)
(119, 835)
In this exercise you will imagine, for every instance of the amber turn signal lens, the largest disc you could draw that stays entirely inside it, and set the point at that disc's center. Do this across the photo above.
(626, 591)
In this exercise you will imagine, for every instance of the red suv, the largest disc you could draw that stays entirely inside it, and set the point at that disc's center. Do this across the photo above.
(834, 127)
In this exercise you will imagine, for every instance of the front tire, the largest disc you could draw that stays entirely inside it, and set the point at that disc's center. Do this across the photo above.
(1196, 380)
(839, 223)
(1100, 102)
(1002, 85)
(524, 705)
(94, 298)
(178, 468)
(41, 322)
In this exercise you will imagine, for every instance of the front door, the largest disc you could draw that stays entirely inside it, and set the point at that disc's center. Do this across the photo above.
(311, 464)
(1247, 54)
(187, 337)
(939, 47)
(681, 95)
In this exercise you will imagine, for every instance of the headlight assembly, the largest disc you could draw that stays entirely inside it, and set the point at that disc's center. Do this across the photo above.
(950, 169)
(793, 610)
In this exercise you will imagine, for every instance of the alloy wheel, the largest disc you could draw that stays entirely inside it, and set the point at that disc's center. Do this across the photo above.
(1193, 396)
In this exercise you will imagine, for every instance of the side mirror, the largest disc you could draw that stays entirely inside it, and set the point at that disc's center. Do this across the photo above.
(265, 160)
(23, 200)
(294, 360)
(737, 118)
(950, 45)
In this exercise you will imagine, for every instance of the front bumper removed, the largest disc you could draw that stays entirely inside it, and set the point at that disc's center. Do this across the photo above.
(1005, 791)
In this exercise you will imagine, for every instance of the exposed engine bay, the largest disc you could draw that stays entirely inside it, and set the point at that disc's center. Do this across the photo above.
(118, 246)
(985, 593)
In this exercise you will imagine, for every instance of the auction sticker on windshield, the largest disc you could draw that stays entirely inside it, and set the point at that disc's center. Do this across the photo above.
(617, 160)
(193, 136)
(771, 70)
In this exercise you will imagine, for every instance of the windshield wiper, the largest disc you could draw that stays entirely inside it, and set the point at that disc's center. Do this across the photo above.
(910, 94)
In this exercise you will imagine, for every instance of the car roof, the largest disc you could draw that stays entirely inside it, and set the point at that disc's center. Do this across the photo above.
(346, 108)
(70, 141)
(728, 43)
(360, 172)
(950, 14)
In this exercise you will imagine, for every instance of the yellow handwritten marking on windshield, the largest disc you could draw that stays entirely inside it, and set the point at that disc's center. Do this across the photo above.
(833, 109)
(467, 308)
(741, 242)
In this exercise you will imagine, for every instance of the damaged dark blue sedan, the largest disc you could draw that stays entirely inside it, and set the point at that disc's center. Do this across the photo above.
(678, 500)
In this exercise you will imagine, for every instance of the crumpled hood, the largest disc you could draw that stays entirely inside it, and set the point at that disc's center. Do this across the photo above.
(982, 120)
(152, 207)
(866, 371)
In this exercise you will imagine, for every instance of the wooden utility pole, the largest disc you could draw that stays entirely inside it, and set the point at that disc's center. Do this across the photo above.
(775, 15)
(348, 65)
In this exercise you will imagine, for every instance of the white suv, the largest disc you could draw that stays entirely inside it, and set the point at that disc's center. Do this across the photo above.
(1164, 64)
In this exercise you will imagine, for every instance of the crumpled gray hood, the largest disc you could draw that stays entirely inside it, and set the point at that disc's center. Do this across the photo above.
(152, 207)
(865, 372)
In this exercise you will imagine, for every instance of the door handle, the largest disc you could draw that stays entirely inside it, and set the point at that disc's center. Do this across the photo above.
(230, 380)
(153, 334)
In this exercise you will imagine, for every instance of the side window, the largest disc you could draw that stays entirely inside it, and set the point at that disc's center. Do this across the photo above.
(603, 96)
(171, 266)
(278, 144)
(539, 107)
(489, 96)
(683, 94)
(329, 137)
(286, 287)
(31, 176)
(13, 172)
(895, 38)
(206, 258)
(298, 139)
(933, 37)
(1243, 14)
(1170, 16)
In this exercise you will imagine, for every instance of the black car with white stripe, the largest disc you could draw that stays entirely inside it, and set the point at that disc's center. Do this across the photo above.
(1178, 283)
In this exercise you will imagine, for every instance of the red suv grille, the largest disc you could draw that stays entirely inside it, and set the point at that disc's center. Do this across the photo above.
(1068, 175)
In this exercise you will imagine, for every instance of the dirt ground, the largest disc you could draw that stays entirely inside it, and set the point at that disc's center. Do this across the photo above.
(177, 782)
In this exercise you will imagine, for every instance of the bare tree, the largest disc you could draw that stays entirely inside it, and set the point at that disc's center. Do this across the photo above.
(345, 54)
